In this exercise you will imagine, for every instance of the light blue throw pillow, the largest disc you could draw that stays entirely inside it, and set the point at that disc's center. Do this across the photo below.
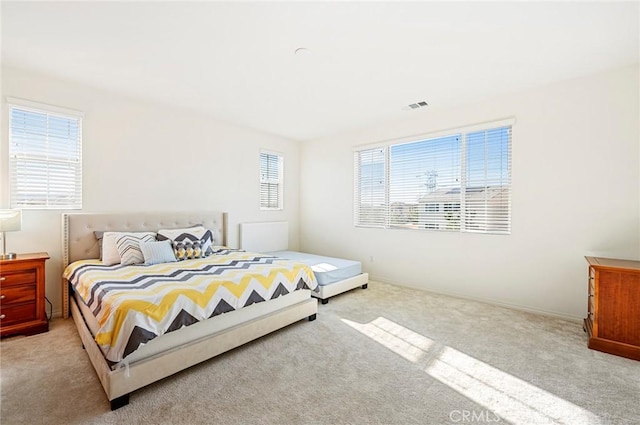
(157, 252)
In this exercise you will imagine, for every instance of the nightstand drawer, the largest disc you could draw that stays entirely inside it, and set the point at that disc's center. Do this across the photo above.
(22, 295)
(19, 313)
(17, 294)
(18, 277)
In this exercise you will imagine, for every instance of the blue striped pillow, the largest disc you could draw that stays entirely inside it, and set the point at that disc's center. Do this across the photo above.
(157, 252)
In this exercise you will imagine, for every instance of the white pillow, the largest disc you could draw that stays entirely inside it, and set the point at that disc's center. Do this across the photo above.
(110, 254)
(128, 245)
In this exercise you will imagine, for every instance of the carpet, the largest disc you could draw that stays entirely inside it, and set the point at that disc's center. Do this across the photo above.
(384, 355)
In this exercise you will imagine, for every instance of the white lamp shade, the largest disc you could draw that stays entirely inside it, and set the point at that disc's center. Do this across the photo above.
(10, 220)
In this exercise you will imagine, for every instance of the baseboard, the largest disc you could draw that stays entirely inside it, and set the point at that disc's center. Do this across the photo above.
(484, 300)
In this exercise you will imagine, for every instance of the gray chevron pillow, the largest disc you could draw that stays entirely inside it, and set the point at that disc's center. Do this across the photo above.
(190, 234)
(128, 245)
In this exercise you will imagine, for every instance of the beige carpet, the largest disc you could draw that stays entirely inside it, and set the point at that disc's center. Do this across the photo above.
(385, 355)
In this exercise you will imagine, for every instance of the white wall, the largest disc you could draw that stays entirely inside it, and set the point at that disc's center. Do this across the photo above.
(575, 192)
(147, 157)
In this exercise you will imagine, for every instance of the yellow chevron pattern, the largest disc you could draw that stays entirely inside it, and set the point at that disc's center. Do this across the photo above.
(151, 297)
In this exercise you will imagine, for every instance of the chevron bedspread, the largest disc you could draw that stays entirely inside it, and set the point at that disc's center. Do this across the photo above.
(135, 303)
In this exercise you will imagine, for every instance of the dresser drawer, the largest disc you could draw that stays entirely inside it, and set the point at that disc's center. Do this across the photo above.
(22, 290)
(18, 277)
(17, 294)
(19, 313)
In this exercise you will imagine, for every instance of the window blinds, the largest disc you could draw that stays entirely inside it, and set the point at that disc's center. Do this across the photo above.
(456, 182)
(45, 159)
(370, 187)
(271, 173)
(487, 200)
(423, 178)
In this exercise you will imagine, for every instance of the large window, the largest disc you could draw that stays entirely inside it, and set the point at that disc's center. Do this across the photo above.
(45, 156)
(271, 181)
(460, 181)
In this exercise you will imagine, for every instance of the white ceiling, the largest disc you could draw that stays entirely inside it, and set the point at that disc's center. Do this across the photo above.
(235, 61)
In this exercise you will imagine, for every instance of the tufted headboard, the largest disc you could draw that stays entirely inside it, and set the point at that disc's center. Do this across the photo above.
(80, 243)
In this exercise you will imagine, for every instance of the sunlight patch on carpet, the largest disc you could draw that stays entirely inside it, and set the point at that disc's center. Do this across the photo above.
(510, 398)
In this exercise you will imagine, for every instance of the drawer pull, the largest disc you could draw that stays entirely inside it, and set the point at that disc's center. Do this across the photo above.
(2, 279)
(2, 316)
(3, 296)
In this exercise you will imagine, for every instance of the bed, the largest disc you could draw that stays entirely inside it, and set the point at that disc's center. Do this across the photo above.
(334, 275)
(154, 357)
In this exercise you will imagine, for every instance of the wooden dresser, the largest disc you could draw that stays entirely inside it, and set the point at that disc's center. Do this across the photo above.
(613, 318)
(22, 308)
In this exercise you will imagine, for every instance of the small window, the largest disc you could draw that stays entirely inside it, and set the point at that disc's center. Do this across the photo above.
(271, 181)
(45, 156)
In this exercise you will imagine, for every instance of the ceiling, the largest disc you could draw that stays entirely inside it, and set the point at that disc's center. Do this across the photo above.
(236, 62)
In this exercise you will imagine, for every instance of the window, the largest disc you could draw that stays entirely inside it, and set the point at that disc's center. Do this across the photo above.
(271, 181)
(45, 156)
(460, 181)
(371, 187)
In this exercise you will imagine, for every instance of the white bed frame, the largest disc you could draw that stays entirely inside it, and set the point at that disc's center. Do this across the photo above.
(79, 243)
(274, 236)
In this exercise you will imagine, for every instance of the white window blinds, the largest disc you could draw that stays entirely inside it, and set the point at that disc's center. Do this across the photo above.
(45, 158)
(271, 184)
(487, 200)
(370, 187)
(422, 176)
(456, 182)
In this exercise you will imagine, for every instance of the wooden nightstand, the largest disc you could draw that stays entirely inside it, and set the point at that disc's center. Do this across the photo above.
(22, 295)
(613, 309)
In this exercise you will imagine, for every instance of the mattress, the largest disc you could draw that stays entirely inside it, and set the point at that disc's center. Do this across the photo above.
(327, 270)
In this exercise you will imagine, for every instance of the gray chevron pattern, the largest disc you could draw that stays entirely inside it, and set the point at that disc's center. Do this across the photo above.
(128, 245)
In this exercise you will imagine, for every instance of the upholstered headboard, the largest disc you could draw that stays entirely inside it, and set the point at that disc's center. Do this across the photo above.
(80, 243)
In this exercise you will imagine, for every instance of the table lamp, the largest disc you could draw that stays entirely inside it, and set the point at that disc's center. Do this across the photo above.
(10, 221)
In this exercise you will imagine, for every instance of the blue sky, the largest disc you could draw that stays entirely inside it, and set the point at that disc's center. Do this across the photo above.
(419, 167)
(45, 134)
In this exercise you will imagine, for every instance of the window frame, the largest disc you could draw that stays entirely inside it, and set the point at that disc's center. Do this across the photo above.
(461, 211)
(279, 181)
(49, 111)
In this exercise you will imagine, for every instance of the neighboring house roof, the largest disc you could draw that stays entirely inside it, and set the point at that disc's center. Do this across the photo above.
(452, 194)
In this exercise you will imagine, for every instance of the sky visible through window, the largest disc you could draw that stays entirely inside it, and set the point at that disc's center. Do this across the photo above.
(34, 133)
(418, 168)
(422, 167)
(45, 159)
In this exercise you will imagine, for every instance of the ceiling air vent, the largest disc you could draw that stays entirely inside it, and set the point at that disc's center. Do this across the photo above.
(418, 105)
